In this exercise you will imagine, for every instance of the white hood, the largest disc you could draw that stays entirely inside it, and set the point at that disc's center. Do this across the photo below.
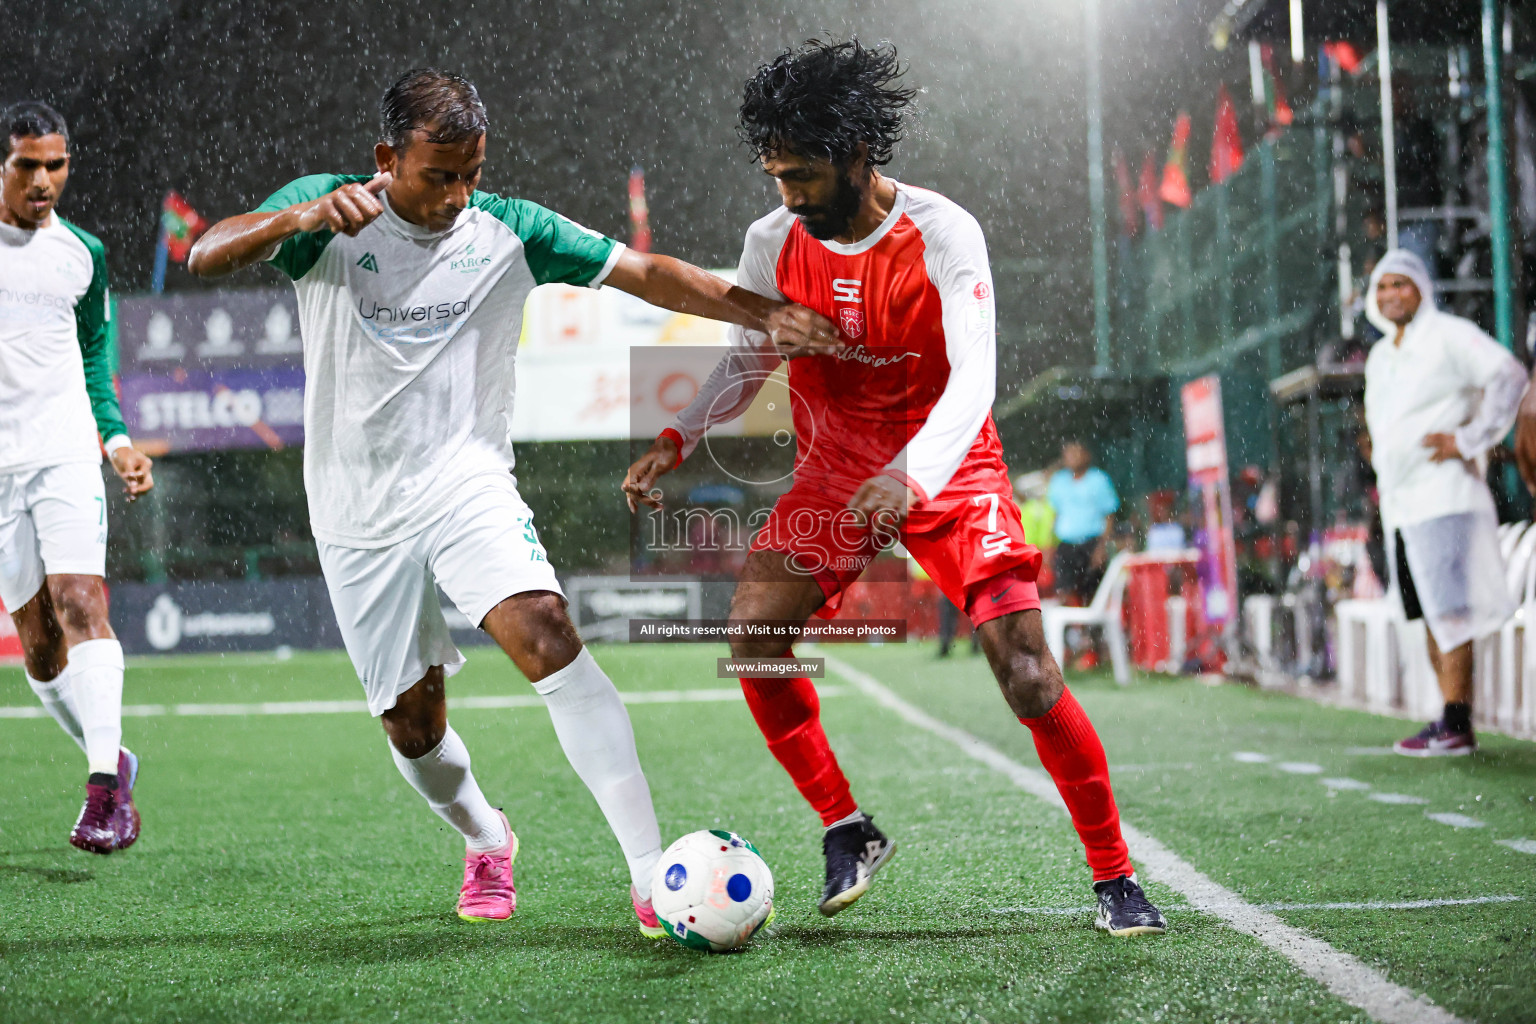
(1399, 261)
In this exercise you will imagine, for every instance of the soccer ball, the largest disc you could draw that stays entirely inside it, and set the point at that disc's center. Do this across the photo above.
(712, 891)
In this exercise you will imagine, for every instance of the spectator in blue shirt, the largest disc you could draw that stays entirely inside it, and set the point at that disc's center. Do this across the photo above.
(1085, 502)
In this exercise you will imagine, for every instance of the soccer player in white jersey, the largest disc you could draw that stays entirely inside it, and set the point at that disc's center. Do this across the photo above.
(55, 397)
(411, 287)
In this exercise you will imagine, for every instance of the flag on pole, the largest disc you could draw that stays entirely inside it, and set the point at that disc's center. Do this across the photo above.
(1344, 55)
(1146, 192)
(639, 213)
(181, 225)
(1276, 109)
(1129, 221)
(1226, 143)
(1175, 187)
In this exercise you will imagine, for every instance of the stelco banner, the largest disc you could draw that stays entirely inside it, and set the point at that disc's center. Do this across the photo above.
(212, 370)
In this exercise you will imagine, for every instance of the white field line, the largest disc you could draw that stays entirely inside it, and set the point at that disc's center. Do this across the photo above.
(338, 707)
(1367, 905)
(1342, 974)
(1519, 845)
(1453, 819)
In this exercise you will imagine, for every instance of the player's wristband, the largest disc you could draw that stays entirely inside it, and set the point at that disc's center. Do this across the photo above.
(676, 439)
(116, 441)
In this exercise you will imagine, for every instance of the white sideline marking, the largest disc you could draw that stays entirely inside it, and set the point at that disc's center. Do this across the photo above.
(1345, 784)
(1454, 820)
(1342, 974)
(1249, 757)
(1300, 767)
(1396, 798)
(1519, 845)
(1367, 905)
(339, 707)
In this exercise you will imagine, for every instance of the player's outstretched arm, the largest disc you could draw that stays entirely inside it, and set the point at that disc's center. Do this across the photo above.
(237, 242)
(662, 457)
(683, 288)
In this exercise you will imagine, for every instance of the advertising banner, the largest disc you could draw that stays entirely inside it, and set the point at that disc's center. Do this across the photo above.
(200, 410)
(224, 615)
(224, 369)
(1205, 440)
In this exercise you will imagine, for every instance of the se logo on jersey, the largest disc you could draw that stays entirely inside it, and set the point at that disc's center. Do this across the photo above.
(849, 318)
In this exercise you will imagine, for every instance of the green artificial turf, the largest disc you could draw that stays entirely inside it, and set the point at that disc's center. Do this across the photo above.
(287, 873)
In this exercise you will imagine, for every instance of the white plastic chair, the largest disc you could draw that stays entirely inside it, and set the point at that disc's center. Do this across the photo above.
(1104, 612)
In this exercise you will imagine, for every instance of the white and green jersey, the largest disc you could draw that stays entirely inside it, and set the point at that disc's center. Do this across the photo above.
(410, 338)
(55, 378)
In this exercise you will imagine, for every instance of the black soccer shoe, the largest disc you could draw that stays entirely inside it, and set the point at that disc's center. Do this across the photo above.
(1125, 910)
(854, 853)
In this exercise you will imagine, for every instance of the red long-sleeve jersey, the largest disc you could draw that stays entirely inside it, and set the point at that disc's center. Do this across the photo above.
(910, 391)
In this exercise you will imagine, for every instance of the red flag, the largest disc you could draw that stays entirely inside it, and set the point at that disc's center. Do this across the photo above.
(181, 225)
(1175, 187)
(1275, 106)
(1146, 192)
(1129, 223)
(639, 213)
(1344, 55)
(1226, 143)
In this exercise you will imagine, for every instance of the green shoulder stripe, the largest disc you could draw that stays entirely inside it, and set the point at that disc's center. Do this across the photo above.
(91, 315)
(296, 256)
(558, 250)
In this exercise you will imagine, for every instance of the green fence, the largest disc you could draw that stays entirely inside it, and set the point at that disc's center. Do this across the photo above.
(1246, 269)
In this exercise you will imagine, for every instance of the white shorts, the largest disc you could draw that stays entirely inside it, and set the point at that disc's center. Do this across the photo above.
(52, 520)
(481, 553)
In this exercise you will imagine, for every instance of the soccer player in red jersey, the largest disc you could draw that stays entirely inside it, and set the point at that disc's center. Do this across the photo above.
(895, 438)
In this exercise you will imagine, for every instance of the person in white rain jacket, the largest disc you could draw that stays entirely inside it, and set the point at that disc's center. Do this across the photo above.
(1439, 393)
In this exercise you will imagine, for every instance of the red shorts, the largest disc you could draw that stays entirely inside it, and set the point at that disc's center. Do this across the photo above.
(970, 541)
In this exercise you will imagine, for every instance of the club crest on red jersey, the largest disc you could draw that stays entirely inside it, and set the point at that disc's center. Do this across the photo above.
(851, 320)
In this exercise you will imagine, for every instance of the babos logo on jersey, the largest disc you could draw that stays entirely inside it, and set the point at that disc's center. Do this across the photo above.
(469, 262)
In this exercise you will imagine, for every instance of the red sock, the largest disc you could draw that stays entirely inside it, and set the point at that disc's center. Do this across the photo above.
(789, 714)
(1070, 750)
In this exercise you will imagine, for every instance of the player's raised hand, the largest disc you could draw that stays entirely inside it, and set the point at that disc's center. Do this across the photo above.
(797, 331)
(883, 499)
(348, 209)
(661, 457)
(133, 466)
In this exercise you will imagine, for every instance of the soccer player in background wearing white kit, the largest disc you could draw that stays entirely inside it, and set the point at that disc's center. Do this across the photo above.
(411, 287)
(55, 396)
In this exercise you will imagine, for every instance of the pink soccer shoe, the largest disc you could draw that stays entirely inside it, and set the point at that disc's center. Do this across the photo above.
(93, 829)
(646, 914)
(125, 820)
(1435, 740)
(488, 893)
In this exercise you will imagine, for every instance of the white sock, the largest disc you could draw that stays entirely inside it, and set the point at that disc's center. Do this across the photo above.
(442, 775)
(96, 677)
(857, 815)
(58, 699)
(595, 733)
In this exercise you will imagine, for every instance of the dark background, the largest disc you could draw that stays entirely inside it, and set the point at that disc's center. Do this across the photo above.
(225, 102)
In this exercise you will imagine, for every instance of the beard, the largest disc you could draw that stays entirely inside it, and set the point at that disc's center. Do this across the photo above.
(836, 216)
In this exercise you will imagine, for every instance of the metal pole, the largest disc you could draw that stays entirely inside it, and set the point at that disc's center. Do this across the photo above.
(1498, 196)
(1388, 133)
(1096, 194)
(1298, 35)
